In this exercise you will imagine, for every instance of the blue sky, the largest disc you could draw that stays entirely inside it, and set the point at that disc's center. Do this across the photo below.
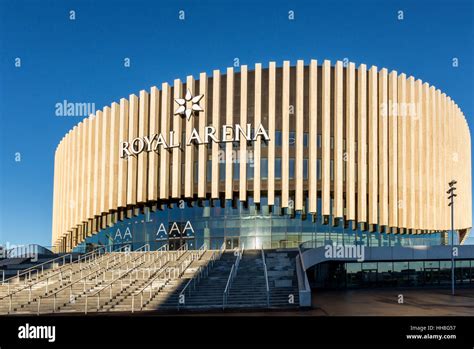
(82, 61)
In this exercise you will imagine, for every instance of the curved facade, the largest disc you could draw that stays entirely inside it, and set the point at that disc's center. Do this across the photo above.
(302, 149)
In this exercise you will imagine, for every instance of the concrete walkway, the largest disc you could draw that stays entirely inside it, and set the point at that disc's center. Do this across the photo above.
(382, 302)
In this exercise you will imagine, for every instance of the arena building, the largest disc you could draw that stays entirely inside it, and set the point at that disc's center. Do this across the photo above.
(270, 158)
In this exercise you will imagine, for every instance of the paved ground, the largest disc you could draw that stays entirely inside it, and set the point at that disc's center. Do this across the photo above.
(380, 302)
(377, 302)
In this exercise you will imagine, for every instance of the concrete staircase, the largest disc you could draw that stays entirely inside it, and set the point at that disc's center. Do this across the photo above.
(249, 286)
(9, 267)
(118, 275)
(150, 281)
(169, 299)
(74, 279)
(208, 293)
(282, 279)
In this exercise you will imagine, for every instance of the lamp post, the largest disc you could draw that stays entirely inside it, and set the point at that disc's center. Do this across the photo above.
(451, 196)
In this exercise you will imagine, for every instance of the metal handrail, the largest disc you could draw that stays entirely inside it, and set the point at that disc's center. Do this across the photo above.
(34, 268)
(10, 294)
(83, 279)
(266, 277)
(71, 262)
(163, 248)
(110, 285)
(221, 250)
(145, 248)
(161, 271)
(198, 276)
(74, 282)
(181, 250)
(84, 256)
(199, 268)
(162, 266)
(239, 257)
(87, 255)
(62, 270)
(30, 286)
(91, 254)
(117, 278)
(182, 267)
(201, 250)
(232, 275)
(225, 295)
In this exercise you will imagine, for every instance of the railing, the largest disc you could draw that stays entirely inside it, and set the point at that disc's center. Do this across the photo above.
(34, 268)
(100, 270)
(167, 272)
(46, 281)
(162, 249)
(221, 250)
(29, 287)
(266, 277)
(91, 253)
(149, 284)
(203, 271)
(146, 247)
(182, 250)
(227, 287)
(201, 250)
(181, 268)
(110, 286)
(232, 275)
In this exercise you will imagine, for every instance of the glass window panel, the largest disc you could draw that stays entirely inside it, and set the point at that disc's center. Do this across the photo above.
(445, 272)
(250, 170)
(195, 174)
(278, 168)
(209, 170)
(236, 170)
(222, 171)
(292, 138)
(264, 168)
(318, 170)
(292, 168)
(278, 140)
(353, 274)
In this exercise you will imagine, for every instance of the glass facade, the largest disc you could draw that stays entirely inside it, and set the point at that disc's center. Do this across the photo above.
(233, 223)
(391, 274)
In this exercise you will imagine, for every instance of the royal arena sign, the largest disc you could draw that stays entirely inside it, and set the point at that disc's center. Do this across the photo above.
(190, 106)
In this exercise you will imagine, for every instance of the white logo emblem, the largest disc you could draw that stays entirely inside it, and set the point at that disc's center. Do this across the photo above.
(188, 104)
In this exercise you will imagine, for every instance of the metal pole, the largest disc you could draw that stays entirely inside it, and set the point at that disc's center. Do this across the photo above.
(452, 244)
(452, 195)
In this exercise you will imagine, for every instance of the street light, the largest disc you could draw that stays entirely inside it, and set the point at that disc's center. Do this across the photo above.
(451, 196)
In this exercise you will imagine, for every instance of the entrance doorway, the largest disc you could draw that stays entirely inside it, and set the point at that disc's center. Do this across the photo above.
(176, 243)
(231, 243)
(369, 277)
(431, 276)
